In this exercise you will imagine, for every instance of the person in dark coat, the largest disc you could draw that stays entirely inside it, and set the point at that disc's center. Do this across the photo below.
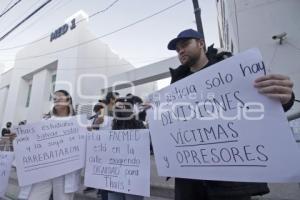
(189, 45)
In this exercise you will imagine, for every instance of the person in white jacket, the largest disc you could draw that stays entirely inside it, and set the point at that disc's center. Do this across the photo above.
(62, 187)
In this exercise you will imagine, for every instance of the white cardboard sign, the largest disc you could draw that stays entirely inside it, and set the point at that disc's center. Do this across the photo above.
(214, 125)
(119, 160)
(48, 149)
(6, 159)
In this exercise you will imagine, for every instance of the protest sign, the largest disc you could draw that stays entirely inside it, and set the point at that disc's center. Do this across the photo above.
(6, 159)
(119, 160)
(48, 149)
(215, 125)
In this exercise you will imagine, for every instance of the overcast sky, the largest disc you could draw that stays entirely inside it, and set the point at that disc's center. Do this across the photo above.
(140, 44)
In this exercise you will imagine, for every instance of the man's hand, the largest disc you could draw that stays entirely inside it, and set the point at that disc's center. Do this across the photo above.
(276, 86)
(99, 120)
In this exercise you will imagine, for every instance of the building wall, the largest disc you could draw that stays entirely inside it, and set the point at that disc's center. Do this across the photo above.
(69, 64)
(246, 24)
(3, 99)
(96, 63)
(4, 89)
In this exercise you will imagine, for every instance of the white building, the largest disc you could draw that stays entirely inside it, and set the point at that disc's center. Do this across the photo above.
(244, 24)
(48, 65)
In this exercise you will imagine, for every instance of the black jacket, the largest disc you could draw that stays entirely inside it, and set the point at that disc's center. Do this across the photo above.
(186, 188)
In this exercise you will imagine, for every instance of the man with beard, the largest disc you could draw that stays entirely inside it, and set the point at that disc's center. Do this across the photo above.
(190, 47)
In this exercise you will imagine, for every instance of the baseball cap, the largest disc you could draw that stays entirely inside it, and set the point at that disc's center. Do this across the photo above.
(186, 34)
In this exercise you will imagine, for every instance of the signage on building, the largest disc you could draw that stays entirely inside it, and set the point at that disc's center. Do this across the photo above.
(62, 30)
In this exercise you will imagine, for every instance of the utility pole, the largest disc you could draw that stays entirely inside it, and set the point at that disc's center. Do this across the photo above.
(197, 12)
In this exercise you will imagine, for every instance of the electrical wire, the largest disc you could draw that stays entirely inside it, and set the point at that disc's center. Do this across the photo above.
(7, 5)
(101, 11)
(48, 34)
(264, 3)
(44, 14)
(10, 8)
(25, 19)
(35, 3)
(274, 55)
(105, 35)
(292, 45)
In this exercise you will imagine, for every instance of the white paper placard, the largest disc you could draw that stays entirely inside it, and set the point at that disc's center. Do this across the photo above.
(119, 160)
(6, 159)
(48, 149)
(214, 125)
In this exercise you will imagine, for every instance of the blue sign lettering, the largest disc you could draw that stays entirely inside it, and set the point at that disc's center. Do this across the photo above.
(62, 30)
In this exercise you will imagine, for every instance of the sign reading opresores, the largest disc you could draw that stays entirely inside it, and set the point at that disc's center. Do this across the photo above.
(119, 160)
(215, 125)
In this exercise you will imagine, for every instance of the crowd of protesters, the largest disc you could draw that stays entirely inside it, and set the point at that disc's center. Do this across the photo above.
(128, 112)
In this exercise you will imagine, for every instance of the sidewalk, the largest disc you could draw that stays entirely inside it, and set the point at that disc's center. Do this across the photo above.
(164, 190)
(280, 191)
(160, 189)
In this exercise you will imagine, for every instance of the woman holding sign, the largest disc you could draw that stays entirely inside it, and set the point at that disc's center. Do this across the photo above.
(62, 187)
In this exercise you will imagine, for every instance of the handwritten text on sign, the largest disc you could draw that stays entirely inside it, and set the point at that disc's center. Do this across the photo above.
(49, 149)
(119, 161)
(214, 125)
(6, 159)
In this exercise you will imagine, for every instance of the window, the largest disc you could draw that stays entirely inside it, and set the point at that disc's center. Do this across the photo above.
(28, 94)
(53, 80)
